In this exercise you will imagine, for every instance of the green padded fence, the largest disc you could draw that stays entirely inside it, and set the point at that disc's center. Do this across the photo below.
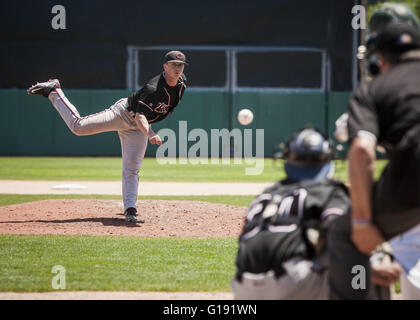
(30, 125)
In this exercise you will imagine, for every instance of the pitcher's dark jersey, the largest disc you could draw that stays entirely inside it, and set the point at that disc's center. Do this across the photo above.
(156, 100)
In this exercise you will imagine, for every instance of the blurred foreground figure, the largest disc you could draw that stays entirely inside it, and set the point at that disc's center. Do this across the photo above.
(384, 112)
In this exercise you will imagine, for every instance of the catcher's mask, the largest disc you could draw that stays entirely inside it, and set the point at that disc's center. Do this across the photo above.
(308, 154)
(386, 14)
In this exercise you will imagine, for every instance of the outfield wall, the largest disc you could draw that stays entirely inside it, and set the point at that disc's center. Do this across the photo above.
(91, 52)
(30, 126)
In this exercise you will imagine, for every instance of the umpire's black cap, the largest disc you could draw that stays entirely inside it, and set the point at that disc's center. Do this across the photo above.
(397, 38)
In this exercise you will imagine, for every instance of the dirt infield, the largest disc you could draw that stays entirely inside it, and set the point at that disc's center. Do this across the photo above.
(108, 295)
(147, 188)
(163, 218)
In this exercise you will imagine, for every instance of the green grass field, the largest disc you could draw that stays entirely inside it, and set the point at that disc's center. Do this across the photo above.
(91, 168)
(9, 199)
(116, 263)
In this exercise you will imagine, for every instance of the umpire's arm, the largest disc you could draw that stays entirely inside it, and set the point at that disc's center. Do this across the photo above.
(362, 156)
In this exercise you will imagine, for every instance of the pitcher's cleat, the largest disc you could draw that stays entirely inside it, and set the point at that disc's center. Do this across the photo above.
(131, 215)
(44, 88)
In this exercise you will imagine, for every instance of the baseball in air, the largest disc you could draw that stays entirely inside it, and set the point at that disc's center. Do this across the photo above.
(245, 117)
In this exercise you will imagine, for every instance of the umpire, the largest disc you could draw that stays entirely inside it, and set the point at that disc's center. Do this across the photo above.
(385, 112)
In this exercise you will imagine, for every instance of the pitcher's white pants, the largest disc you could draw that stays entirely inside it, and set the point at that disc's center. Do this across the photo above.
(115, 118)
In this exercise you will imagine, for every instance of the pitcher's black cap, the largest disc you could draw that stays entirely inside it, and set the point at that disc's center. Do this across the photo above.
(176, 56)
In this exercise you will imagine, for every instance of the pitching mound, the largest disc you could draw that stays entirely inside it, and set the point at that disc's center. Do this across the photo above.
(163, 218)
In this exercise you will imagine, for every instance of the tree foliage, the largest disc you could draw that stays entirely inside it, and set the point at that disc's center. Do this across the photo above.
(413, 4)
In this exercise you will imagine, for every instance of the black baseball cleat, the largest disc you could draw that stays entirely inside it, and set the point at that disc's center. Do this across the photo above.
(131, 215)
(44, 88)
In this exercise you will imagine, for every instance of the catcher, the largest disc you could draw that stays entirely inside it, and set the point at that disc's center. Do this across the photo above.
(283, 248)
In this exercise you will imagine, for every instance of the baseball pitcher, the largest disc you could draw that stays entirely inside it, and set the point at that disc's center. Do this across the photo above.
(131, 117)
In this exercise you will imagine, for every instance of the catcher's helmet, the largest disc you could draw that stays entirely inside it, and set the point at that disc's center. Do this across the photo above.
(386, 14)
(308, 154)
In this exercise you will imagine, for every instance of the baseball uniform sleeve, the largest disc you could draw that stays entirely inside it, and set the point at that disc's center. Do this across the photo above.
(337, 205)
(142, 100)
(362, 113)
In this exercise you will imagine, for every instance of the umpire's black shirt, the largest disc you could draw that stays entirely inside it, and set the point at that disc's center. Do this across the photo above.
(156, 100)
(389, 109)
(388, 106)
